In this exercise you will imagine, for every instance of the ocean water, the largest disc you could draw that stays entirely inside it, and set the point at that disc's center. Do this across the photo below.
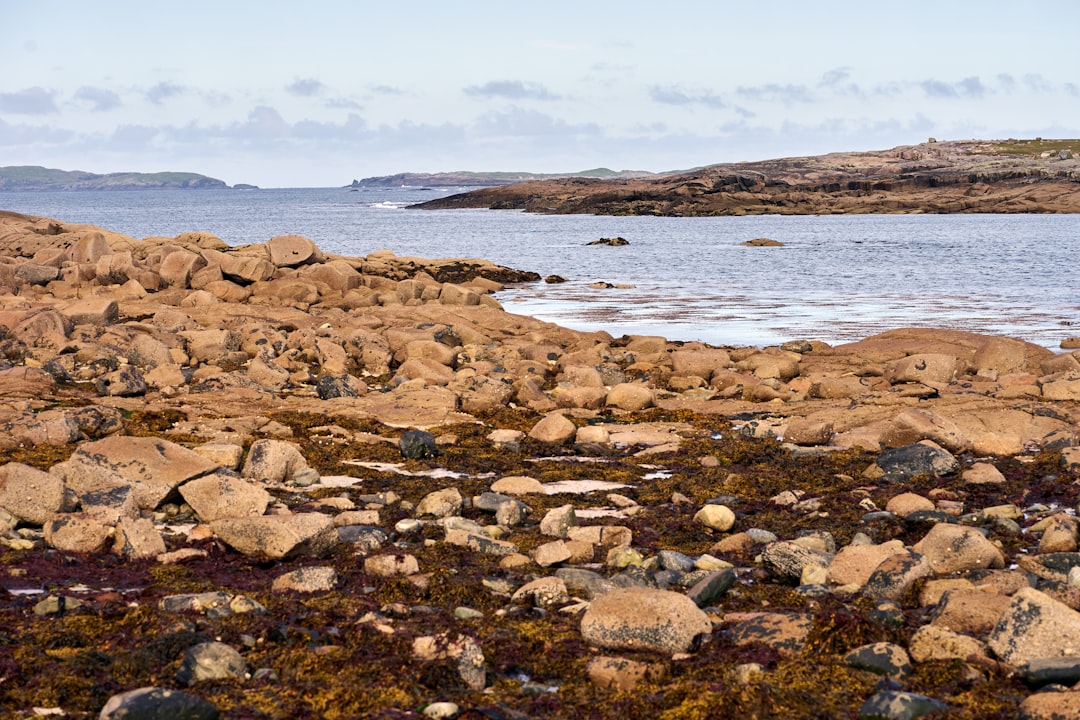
(837, 278)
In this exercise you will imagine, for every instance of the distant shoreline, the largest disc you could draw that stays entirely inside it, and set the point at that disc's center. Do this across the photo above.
(32, 178)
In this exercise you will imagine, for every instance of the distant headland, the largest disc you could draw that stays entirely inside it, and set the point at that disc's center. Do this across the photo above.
(33, 177)
(968, 176)
(489, 179)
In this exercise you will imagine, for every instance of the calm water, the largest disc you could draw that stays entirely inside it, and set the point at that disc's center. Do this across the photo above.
(838, 278)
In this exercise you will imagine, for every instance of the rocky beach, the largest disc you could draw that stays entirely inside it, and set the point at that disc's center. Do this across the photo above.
(267, 481)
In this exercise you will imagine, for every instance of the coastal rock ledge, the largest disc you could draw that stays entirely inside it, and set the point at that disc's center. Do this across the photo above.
(269, 481)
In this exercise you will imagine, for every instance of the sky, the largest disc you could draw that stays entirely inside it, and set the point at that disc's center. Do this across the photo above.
(315, 94)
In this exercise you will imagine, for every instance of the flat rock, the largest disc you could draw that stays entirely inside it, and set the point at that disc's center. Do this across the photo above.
(278, 537)
(155, 467)
(217, 496)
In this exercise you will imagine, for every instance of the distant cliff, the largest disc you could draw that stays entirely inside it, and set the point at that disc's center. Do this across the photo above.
(973, 176)
(487, 179)
(32, 177)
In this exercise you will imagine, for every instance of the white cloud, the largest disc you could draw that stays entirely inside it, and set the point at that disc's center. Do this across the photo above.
(511, 90)
(99, 99)
(163, 91)
(305, 87)
(30, 101)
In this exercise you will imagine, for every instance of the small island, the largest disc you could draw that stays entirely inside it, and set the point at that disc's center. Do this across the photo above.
(27, 178)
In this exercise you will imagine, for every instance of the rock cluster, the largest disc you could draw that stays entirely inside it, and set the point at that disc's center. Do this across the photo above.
(267, 481)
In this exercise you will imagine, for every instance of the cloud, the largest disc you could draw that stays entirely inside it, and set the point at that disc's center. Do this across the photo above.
(1037, 83)
(31, 101)
(834, 77)
(163, 91)
(970, 87)
(511, 90)
(99, 99)
(343, 104)
(23, 136)
(305, 87)
(387, 90)
(773, 92)
(674, 95)
(517, 122)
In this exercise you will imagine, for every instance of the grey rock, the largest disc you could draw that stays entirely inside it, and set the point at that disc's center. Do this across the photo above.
(672, 560)
(417, 445)
(786, 559)
(306, 580)
(918, 459)
(154, 703)
(330, 387)
(712, 587)
(125, 382)
(880, 658)
(211, 661)
(580, 581)
(1045, 671)
(895, 705)
(365, 538)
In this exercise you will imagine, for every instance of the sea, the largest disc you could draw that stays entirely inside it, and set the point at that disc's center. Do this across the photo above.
(836, 278)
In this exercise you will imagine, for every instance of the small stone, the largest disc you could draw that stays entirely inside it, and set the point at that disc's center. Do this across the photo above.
(717, 517)
(880, 658)
(391, 565)
(441, 710)
(558, 521)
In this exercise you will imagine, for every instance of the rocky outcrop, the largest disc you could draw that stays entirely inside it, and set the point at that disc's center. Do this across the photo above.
(936, 177)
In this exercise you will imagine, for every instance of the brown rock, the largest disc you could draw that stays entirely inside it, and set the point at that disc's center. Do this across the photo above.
(953, 549)
(630, 396)
(31, 495)
(293, 250)
(153, 467)
(622, 674)
(971, 612)
(931, 642)
(213, 497)
(923, 368)
(1050, 706)
(854, 564)
(276, 537)
(1034, 625)
(553, 428)
(638, 618)
(783, 632)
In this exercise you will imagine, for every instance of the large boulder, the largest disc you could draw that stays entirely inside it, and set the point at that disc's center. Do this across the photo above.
(639, 618)
(31, 495)
(276, 537)
(152, 466)
(293, 250)
(217, 496)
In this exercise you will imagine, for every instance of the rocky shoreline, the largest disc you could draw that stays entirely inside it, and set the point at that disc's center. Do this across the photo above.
(266, 482)
(1010, 176)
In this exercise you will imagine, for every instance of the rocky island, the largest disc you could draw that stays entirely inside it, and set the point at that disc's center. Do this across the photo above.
(15, 178)
(266, 482)
(1010, 176)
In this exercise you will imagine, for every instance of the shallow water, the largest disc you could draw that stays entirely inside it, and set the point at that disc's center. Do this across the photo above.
(837, 278)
